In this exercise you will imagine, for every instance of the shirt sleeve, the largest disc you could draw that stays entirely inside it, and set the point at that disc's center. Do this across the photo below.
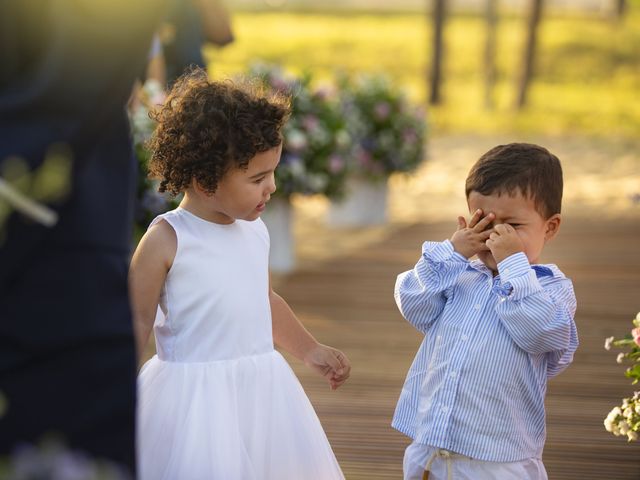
(538, 316)
(421, 293)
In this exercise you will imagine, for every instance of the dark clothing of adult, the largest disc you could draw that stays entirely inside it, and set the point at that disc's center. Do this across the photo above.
(184, 49)
(67, 355)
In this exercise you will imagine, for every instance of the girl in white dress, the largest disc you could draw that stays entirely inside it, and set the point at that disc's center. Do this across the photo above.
(217, 401)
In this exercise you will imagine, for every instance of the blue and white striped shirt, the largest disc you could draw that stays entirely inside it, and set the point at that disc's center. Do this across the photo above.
(477, 384)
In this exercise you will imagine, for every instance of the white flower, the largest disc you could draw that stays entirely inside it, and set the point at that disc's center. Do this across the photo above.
(620, 357)
(628, 412)
(608, 424)
(607, 343)
(296, 140)
(317, 182)
(632, 436)
(296, 167)
(637, 408)
(624, 427)
(342, 138)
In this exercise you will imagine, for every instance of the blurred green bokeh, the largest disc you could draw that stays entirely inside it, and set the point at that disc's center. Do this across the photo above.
(587, 70)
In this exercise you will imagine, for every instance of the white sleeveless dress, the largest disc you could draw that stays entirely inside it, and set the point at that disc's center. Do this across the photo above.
(217, 402)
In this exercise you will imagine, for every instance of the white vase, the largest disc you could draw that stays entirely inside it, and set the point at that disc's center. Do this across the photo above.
(278, 217)
(364, 204)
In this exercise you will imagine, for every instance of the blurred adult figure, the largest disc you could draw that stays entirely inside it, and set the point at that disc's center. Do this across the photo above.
(67, 359)
(189, 25)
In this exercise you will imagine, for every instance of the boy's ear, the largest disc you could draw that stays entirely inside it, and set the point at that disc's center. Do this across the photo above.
(552, 227)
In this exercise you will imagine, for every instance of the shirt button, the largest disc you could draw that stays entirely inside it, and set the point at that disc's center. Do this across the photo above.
(438, 338)
(477, 306)
(453, 374)
(445, 409)
(506, 270)
(464, 337)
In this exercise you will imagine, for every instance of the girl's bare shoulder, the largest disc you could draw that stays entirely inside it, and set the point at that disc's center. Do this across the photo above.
(159, 242)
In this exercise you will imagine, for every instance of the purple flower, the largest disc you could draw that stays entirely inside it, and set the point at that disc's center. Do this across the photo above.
(154, 202)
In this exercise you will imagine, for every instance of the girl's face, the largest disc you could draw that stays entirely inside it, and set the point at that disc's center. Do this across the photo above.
(243, 194)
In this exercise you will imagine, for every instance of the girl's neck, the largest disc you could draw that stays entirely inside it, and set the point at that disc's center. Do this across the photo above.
(195, 205)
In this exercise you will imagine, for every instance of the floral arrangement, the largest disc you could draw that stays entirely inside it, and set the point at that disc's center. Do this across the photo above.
(389, 130)
(316, 139)
(149, 202)
(625, 419)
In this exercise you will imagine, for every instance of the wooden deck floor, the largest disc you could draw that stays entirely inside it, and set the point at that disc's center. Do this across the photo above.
(347, 302)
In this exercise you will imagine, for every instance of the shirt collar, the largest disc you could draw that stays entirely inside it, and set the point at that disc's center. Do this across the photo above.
(547, 270)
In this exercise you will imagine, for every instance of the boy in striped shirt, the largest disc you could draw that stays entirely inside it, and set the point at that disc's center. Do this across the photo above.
(496, 328)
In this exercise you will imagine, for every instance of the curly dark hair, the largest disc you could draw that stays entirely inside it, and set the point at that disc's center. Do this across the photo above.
(206, 127)
(526, 167)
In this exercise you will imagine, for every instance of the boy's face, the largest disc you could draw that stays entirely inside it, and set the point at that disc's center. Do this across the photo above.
(520, 212)
(243, 194)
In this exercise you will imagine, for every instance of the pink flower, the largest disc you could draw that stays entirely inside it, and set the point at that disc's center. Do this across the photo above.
(336, 164)
(363, 157)
(382, 110)
(310, 122)
(280, 84)
(636, 335)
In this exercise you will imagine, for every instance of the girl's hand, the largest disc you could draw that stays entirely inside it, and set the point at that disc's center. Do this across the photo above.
(504, 242)
(470, 239)
(332, 364)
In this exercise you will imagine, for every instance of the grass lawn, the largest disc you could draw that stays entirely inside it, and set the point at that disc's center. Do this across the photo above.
(588, 68)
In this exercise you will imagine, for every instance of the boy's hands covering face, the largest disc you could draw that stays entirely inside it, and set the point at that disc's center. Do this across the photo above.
(471, 238)
(504, 241)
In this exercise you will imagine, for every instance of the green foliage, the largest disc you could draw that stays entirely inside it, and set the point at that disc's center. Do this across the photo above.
(587, 71)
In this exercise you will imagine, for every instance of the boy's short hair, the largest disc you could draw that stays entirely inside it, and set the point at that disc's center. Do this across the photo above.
(528, 168)
(205, 128)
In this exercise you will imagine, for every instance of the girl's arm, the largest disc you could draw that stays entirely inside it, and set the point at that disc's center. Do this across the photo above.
(148, 270)
(290, 334)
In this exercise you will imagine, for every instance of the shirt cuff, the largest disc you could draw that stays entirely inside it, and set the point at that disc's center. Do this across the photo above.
(441, 252)
(513, 266)
(517, 278)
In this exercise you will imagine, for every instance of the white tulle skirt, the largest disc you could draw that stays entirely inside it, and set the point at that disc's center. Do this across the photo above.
(241, 419)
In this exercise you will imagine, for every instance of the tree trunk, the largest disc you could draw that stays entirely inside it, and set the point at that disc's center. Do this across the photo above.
(621, 8)
(438, 17)
(528, 58)
(490, 54)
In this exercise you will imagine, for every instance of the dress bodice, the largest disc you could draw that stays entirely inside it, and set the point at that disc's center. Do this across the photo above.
(215, 300)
